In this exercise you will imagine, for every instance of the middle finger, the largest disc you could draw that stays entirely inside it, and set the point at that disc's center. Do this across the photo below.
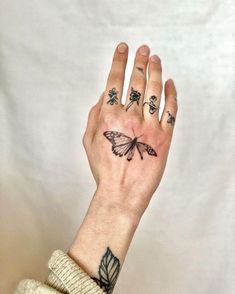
(136, 89)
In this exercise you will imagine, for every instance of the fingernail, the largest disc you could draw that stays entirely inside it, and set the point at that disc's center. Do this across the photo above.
(122, 47)
(144, 50)
(155, 59)
(171, 81)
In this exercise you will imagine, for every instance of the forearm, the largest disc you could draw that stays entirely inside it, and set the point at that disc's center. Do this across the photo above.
(107, 224)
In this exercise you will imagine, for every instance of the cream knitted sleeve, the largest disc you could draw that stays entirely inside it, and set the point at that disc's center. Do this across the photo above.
(65, 277)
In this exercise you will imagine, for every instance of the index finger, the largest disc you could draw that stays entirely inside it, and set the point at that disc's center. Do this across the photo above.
(115, 82)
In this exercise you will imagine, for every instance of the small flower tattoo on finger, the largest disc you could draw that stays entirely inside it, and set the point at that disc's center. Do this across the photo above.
(134, 97)
(171, 118)
(113, 99)
(152, 106)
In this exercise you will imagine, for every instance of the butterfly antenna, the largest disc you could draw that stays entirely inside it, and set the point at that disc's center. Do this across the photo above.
(133, 132)
(135, 135)
(140, 136)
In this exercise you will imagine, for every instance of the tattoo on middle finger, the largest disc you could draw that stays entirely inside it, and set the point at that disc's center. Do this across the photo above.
(140, 69)
(134, 97)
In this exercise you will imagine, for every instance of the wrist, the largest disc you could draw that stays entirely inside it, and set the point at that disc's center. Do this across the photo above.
(106, 224)
(118, 202)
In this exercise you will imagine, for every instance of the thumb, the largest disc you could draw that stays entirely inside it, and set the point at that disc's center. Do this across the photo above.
(93, 117)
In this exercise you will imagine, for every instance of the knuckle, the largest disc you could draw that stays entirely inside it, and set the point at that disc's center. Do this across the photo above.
(115, 77)
(108, 118)
(119, 62)
(155, 86)
(133, 120)
(138, 80)
(167, 136)
(162, 139)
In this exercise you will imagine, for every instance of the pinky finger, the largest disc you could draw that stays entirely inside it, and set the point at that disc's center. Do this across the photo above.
(170, 109)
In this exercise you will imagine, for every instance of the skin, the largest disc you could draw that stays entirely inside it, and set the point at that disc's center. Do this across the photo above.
(124, 188)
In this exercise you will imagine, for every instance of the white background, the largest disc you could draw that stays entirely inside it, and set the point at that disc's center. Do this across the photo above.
(54, 61)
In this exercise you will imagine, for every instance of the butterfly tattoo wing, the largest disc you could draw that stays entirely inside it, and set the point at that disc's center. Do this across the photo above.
(117, 138)
(131, 153)
(142, 147)
(121, 144)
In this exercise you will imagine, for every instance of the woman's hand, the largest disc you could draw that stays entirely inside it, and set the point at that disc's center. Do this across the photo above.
(127, 145)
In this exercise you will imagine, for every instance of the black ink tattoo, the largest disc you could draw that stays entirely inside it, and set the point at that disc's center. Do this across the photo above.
(140, 69)
(112, 97)
(108, 272)
(124, 145)
(175, 98)
(134, 97)
(171, 119)
(152, 106)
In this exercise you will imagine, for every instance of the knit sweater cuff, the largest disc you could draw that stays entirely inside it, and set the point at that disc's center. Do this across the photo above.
(67, 277)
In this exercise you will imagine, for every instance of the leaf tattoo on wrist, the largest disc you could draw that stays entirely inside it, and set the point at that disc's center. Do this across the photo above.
(123, 145)
(108, 272)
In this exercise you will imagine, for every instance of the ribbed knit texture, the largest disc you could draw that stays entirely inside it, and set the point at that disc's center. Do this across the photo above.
(33, 287)
(65, 277)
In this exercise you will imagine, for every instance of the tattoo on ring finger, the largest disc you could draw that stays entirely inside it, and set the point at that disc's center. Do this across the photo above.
(152, 105)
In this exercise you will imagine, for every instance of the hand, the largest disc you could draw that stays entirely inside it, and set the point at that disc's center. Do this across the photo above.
(127, 145)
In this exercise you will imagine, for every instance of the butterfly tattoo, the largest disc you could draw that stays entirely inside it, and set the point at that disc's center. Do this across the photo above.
(123, 145)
